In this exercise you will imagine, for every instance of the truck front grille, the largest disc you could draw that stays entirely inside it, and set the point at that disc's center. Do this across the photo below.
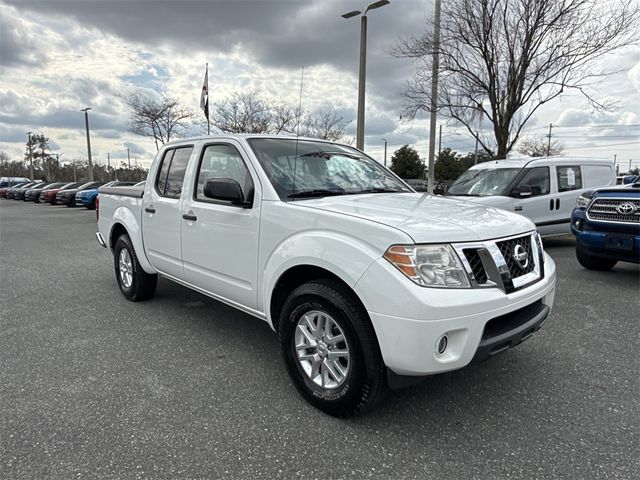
(509, 249)
(475, 262)
(618, 210)
(508, 263)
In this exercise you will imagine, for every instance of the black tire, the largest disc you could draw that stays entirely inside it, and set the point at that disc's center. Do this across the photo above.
(365, 383)
(143, 285)
(593, 262)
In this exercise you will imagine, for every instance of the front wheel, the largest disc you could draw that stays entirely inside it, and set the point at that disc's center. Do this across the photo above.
(135, 284)
(593, 262)
(330, 349)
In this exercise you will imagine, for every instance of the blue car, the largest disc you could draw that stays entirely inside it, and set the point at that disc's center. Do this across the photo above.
(88, 197)
(606, 223)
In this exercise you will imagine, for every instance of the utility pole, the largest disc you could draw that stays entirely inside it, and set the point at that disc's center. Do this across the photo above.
(75, 177)
(475, 155)
(30, 157)
(629, 171)
(86, 124)
(108, 165)
(129, 159)
(549, 140)
(440, 141)
(434, 96)
(385, 151)
(57, 165)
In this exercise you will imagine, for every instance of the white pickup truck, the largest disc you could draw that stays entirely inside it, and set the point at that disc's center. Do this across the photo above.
(368, 284)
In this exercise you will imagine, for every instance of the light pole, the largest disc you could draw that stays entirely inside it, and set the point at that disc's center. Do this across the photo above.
(86, 125)
(363, 66)
(30, 156)
(385, 151)
(434, 97)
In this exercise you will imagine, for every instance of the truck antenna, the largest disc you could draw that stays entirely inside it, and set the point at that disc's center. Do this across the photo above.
(295, 158)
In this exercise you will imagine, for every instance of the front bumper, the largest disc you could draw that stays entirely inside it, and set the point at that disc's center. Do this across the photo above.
(409, 319)
(607, 240)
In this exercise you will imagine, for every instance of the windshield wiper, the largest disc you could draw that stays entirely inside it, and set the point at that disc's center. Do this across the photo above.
(379, 190)
(317, 192)
(328, 154)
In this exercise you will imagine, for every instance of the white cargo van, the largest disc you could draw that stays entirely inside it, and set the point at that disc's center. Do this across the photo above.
(542, 189)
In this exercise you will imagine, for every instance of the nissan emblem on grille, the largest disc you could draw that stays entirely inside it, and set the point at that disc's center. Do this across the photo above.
(626, 208)
(521, 256)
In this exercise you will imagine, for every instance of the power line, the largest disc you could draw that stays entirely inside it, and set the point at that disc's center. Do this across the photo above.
(604, 145)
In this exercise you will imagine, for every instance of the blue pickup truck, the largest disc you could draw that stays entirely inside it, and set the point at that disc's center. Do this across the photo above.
(606, 223)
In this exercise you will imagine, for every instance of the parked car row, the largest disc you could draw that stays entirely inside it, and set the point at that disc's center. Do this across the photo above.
(71, 194)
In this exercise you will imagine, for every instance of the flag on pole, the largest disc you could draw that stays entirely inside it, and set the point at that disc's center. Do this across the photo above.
(204, 98)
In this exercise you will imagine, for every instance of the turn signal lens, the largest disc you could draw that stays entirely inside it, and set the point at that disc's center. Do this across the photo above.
(429, 265)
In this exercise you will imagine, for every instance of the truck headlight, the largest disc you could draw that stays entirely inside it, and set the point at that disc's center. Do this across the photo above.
(429, 265)
(582, 202)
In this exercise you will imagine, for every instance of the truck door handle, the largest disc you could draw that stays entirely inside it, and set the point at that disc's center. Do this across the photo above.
(191, 218)
(551, 204)
(150, 210)
(557, 204)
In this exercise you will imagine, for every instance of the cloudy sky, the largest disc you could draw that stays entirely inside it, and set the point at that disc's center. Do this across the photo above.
(59, 56)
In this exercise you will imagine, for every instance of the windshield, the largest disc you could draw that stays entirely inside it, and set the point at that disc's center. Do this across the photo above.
(483, 182)
(318, 169)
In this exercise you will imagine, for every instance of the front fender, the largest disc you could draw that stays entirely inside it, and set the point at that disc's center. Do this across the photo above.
(345, 256)
(128, 220)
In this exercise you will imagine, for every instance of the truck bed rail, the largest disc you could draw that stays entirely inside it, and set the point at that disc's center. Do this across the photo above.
(135, 192)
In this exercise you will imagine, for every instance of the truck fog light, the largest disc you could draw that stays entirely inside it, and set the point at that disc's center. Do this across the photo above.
(441, 346)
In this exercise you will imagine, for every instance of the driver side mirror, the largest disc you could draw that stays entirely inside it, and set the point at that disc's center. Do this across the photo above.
(523, 191)
(225, 189)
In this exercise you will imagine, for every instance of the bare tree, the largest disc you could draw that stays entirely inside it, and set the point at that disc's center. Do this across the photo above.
(161, 118)
(326, 124)
(501, 60)
(539, 147)
(250, 113)
(242, 113)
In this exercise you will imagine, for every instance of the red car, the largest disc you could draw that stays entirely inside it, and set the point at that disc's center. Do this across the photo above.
(49, 196)
(3, 191)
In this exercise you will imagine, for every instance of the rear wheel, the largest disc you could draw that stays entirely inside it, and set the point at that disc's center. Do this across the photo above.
(593, 262)
(330, 349)
(134, 282)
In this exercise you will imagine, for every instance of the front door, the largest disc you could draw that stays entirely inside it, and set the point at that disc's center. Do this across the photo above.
(161, 213)
(535, 207)
(219, 239)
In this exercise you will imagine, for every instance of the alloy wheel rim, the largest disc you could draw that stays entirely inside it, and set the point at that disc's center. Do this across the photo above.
(126, 268)
(322, 349)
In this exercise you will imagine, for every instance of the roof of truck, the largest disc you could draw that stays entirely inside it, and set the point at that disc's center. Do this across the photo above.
(249, 135)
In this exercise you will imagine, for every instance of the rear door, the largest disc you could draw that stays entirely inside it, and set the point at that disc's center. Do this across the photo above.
(220, 240)
(161, 212)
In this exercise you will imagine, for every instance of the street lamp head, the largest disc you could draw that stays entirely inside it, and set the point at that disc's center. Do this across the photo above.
(378, 4)
(85, 109)
(351, 14)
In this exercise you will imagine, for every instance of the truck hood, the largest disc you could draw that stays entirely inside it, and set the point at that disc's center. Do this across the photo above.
(427, 218)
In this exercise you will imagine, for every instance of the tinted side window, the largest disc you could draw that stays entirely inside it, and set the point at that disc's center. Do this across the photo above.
(223, 161)
(178, 167)
(161, 181)
(538, 179)
(569, 178)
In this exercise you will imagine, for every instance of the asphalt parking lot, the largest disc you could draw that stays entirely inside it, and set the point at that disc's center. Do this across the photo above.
(93, 386)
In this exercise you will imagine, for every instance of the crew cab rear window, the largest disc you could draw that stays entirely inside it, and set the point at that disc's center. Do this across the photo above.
(569, 178)
(172, 169)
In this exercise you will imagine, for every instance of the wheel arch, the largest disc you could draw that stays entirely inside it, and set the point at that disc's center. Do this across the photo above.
(298, 275)
(123, 224)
